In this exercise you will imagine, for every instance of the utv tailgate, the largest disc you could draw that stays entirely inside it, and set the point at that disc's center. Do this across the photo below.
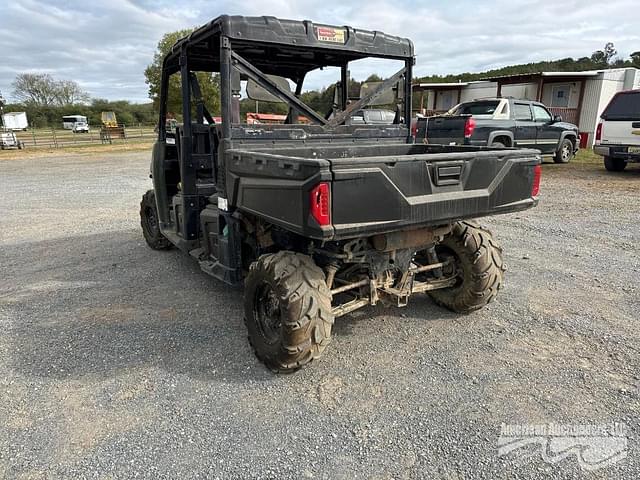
(381, 188)
(373, 194)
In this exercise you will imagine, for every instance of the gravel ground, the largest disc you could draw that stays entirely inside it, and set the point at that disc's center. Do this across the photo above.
(117, 361)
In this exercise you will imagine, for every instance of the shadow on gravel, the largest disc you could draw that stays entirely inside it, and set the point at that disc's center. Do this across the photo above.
(98, 305)
(420, 310)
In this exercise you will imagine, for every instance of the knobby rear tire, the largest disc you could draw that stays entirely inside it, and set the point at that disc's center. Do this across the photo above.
(479, 260)
(304, 310)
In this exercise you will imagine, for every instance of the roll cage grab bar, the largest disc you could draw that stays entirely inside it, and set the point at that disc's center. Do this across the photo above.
(245, 67)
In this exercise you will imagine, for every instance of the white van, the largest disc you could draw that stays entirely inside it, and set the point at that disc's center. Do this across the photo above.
(75, 123)
(618, 133)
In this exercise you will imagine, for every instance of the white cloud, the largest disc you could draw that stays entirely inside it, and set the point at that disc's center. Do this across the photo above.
(105, 46)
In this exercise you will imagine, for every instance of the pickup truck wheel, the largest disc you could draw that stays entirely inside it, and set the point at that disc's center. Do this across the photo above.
(565, 152)
(149, 222)
(478, 262)
(287, 309)
(614, 164)
(498, 145)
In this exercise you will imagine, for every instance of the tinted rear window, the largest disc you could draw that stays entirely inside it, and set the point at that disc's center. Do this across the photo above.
(476, 108)
(624, 106)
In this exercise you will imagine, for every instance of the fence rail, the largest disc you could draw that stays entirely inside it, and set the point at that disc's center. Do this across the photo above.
(58, 138)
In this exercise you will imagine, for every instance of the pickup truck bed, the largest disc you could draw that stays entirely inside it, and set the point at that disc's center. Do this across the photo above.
(502, 122)
(379, 189)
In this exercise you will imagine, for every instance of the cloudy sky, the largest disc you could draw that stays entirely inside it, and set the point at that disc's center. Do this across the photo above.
(105, 46)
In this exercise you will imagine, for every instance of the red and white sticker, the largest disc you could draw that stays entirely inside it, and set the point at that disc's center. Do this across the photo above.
(330, 34)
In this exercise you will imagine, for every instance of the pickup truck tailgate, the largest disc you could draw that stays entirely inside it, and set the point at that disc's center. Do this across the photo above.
(372, 194)
(445, 130)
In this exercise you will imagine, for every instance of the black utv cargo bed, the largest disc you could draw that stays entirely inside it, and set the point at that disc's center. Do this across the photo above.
(380, 188)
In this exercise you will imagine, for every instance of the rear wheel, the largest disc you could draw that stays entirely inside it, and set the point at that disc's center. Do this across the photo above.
(565, 152)
(477, 262)
(614, 164)
(287, 310)
(498, 145)
(150, 223)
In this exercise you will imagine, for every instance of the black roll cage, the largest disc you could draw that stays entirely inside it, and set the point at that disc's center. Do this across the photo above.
(258, 46)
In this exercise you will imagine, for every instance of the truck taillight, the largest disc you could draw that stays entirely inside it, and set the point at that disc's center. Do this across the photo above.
(537, 175)
(469, 127)
(599, 132)
(321, 204)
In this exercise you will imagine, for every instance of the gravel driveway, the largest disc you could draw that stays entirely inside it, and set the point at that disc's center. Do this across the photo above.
(117, 361)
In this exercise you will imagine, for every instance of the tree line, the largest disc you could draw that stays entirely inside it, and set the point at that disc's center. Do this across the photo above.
(46, 100)
(51, 116)
(600, 59)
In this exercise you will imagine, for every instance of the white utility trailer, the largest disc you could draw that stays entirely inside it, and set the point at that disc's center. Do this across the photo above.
(15, 121)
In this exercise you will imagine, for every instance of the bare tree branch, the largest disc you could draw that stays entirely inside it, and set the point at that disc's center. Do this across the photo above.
(69, 92)
(35, 88)
(42, 90)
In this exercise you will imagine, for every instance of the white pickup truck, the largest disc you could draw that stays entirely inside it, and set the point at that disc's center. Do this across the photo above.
(618, 133)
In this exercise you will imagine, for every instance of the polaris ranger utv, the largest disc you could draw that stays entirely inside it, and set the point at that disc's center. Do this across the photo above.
(323, 216)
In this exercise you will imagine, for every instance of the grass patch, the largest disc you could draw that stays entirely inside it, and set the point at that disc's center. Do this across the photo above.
(587, 156)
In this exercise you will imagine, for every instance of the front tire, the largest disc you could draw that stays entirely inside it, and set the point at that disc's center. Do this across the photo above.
(150, 223)
(477, 258)
(287, 310)
(614, 164)
(565, 152)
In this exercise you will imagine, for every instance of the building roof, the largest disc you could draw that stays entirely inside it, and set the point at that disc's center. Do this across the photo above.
(434, 85)
(586, 73)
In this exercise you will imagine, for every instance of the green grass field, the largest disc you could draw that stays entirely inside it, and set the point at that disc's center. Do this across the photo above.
(587, 156)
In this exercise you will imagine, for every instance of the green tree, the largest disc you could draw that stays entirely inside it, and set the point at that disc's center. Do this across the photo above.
(635, 59)
(374, 78)
(209, 83)
(604, 57)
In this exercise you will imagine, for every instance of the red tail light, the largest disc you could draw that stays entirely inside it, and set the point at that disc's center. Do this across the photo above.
(321, 204)
(537, 175)
(469, 127)
(599, 132)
